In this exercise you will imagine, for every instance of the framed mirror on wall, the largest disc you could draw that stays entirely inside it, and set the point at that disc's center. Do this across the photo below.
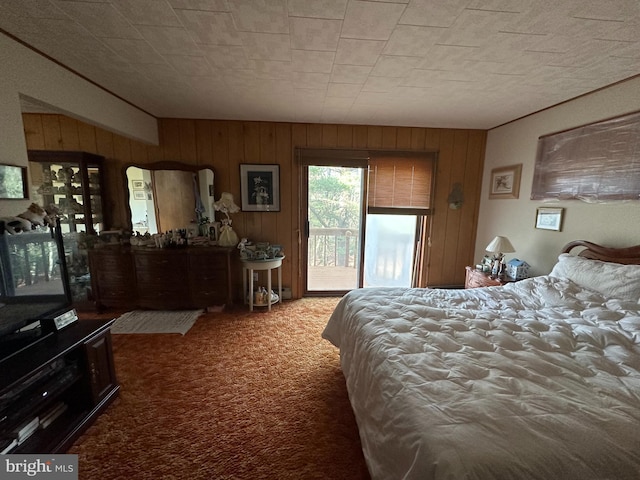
(165, 196)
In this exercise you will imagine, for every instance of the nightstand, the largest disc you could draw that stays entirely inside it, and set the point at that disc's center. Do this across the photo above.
(248, 267)
(477, 279)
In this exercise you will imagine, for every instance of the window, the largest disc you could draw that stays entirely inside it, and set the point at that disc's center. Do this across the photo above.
(595, 162)
(401, 184)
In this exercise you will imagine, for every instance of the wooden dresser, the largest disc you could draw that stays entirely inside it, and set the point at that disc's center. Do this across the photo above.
(162, 279)
(476, 279)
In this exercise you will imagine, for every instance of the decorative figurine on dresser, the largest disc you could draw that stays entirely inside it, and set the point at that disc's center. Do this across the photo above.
(518, 269)
(71, 184)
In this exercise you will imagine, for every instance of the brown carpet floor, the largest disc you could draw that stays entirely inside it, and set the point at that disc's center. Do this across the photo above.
(241, 396)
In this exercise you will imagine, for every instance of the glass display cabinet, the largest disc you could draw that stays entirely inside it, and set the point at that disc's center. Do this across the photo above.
(71, 184)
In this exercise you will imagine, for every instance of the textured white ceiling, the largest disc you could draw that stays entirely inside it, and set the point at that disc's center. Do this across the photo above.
(445, 63)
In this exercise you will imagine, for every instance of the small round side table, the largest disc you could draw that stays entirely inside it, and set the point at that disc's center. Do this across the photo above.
(248, 267)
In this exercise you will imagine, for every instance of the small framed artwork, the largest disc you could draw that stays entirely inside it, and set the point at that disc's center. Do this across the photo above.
(139, 195)
(549, 218)
(137, 184)
(505, 182)
(214, 231)
(260, 187)
(13, 182)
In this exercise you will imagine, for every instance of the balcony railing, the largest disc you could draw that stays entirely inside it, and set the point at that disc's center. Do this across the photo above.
(333, 247)
(388, 262)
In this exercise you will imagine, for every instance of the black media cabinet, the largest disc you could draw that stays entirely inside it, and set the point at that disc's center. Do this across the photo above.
(53, 390)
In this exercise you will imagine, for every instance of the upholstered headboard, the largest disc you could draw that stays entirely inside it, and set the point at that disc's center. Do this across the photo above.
(627, 256)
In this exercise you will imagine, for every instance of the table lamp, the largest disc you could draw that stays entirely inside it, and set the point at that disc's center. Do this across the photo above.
(226, 205)
(499, 246)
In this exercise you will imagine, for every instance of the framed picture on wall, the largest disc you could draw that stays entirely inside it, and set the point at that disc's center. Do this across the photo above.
(137, 184)
(260, 187)
(13, 182)
(139, 195)
(549, 218)
(505, 182)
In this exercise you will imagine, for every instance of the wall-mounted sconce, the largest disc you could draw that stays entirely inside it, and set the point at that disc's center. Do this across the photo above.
(456, 197)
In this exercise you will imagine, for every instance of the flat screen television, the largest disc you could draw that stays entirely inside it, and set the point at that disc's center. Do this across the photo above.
(33, 286)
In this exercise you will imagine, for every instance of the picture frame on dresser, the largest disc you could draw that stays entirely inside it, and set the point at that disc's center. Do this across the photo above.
(214, 231)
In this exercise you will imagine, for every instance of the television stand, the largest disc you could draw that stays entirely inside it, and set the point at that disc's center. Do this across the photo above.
(52, 390)
(15, 343)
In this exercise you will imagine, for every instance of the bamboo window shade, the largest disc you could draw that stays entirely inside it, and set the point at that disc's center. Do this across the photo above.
(401, 185)
(595, 162)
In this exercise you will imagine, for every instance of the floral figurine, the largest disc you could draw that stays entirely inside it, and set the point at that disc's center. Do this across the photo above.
(226, 205)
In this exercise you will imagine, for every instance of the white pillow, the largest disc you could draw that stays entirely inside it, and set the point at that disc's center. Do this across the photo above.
(612, 280)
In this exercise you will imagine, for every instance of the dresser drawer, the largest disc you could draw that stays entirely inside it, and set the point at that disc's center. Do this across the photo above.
(205, 298)
(184, 278)
(477, 279)
(118, 298)
(161, 274)
(113, 278)
(160, 264)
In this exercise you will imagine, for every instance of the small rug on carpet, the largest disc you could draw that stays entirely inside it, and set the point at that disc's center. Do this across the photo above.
(152, 321)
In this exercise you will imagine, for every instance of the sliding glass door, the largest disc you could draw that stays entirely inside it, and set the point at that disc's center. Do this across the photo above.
(334, 228)
(364, 215)
(339, 257)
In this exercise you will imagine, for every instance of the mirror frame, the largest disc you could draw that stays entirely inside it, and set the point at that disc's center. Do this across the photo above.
(162, 165)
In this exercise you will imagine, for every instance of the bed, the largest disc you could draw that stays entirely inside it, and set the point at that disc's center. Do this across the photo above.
(539, 379)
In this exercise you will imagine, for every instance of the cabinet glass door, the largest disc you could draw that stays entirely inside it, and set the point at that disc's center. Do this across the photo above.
(74, 190)
(71, 184)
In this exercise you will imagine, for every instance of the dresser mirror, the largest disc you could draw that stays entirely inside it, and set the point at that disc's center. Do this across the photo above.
(165, 196)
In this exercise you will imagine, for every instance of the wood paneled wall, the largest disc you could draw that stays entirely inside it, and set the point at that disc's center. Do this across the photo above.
(226, 144)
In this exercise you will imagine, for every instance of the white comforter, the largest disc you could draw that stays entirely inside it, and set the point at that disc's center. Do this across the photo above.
(536, 380)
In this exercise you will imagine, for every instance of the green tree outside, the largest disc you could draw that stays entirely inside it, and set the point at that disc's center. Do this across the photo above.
(334, 197)
(334, 203)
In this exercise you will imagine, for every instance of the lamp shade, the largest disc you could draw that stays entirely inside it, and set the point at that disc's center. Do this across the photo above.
(500, 245)
(226, 204)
